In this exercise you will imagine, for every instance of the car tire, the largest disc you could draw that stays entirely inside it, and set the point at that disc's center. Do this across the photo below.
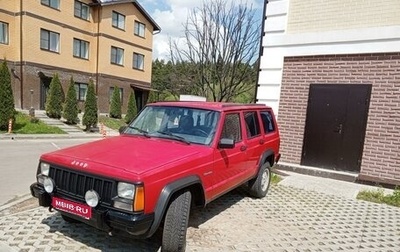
(176, 222)
(68, 219)
(258, 187)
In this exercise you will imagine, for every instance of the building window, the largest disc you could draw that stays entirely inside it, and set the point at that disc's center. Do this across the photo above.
(49, 40)
(81, 10)
(81, 48)
(55, 4)
(138, 61)
(81, 90)
(117, 55)
(118, 20)
(139, 29)
(121, 94)
(3, 33)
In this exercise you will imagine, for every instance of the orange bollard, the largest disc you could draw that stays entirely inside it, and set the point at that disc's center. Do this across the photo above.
(10, 126)
(102, 130)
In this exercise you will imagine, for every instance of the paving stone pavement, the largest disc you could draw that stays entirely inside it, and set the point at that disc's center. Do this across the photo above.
(288, 219)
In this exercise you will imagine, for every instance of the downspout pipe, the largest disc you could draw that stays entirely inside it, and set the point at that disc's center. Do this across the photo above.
(98, 48)
(21, 54)
(261, 50)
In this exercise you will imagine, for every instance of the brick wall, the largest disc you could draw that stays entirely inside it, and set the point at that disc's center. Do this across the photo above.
(381, 159)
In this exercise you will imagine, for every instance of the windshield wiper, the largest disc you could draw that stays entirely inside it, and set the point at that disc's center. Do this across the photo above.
(175, 137)
(145, 133)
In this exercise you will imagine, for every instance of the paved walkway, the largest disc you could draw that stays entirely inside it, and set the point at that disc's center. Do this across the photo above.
(290, 218)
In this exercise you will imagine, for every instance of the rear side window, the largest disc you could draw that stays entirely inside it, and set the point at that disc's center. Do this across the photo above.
(231, 128)
(252, 124)
(268, 121)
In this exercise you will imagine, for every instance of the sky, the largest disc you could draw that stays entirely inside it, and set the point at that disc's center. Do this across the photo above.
(170, 16)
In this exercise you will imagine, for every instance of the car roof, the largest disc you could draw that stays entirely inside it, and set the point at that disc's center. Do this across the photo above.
(217, 106)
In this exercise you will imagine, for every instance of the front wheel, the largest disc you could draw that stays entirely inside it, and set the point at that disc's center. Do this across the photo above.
(176, 222)
(258, 187)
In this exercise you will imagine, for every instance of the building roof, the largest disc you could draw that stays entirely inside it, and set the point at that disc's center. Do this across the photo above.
(156, 27)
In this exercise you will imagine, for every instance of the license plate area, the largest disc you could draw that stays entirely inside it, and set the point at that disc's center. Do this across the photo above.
(72, 207)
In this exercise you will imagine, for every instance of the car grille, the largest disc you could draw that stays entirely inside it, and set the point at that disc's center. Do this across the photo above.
(75, 185)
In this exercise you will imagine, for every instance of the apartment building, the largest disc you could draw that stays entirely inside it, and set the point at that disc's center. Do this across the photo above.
(108, 42)
(331, 71)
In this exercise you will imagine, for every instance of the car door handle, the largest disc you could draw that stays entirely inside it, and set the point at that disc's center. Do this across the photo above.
(262, 141)
(243, 147)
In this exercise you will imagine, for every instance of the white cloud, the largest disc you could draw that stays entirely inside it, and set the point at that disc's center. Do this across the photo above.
(170, 16)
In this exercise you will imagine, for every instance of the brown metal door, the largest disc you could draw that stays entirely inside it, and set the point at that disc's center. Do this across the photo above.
(335, 126)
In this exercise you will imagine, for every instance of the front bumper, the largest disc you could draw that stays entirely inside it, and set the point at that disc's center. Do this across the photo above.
(103, 218)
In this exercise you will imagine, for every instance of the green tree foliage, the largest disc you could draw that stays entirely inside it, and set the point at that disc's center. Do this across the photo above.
(7, 110)
(71, 104)
(132, 109)
(115, 106)
(153, 97)
(90, 117)
(55, 98)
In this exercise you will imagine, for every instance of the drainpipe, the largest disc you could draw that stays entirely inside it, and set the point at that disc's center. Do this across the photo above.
(21, 53)
(264, 18)
(98, 48)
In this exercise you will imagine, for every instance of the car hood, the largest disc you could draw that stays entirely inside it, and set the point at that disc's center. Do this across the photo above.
(132, 154)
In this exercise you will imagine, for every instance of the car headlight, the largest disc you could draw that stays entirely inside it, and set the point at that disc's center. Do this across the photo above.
(44, 169)
(126, 191)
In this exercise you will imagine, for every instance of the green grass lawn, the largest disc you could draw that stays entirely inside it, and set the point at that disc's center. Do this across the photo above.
(112, 123)
(378, 196)
(23, 125)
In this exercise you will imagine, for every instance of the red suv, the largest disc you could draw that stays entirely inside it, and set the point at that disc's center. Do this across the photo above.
(173, 156)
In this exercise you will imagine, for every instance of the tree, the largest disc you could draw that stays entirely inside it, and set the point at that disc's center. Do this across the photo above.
(71, 104)
(152, 97)
(132, 109)
(90, 117)
(55, 98)
(115, 106)
(220, 45)
(7, 110)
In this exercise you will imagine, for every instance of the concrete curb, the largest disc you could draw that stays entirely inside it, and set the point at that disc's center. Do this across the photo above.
(15, 202)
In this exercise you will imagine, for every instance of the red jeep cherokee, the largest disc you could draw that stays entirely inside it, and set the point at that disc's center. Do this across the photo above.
(173, 156)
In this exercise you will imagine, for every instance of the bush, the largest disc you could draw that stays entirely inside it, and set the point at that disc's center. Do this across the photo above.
(34, 120)
(71, 104)
(90, 116)
(54, 98)
(152, 97)
(7, 110)
(132, 109)
(115, 106)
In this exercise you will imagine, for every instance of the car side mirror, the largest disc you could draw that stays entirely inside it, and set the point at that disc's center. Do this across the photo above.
(121, 129)
(226, 143)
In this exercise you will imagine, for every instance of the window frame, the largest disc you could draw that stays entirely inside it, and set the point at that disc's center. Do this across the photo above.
(50, 3)
(255, 121)
(49, 45)
(136, 29)
(135, 64)
(271, 122)
(4, 33)
(81, 4)
(117, 25)
(79, 90)
(227, 126)
(87, 43)
(118, 49)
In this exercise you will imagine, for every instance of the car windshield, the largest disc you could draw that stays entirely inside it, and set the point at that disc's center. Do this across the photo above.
(189, 125)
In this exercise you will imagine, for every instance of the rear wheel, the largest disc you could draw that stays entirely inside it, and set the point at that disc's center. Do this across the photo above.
(176, 222)
(258, 187)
